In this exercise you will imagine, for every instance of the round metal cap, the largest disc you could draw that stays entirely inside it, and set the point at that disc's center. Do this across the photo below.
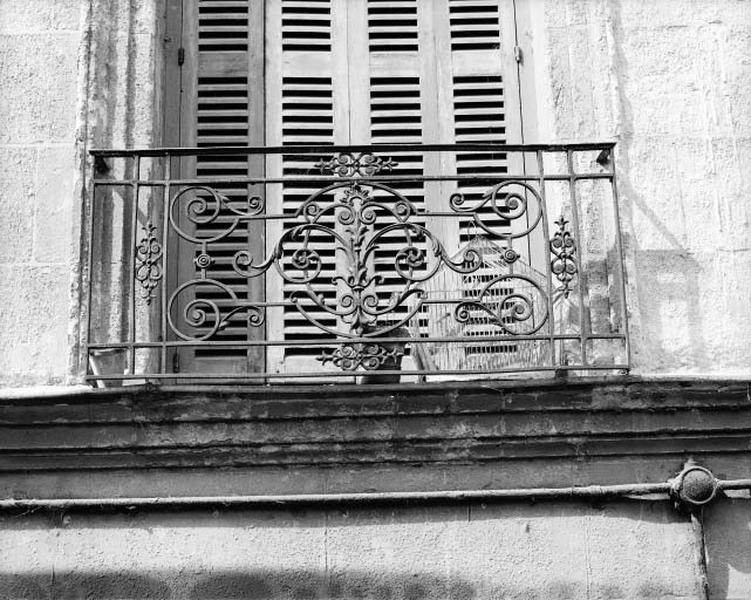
(695, 485)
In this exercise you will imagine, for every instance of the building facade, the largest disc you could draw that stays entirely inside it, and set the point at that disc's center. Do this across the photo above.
(139, 462)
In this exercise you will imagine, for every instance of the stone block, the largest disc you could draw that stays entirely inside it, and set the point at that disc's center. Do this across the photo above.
(554, 552)
(728, 543)
(20, 17)
(668, 54)
(17, 200)
(638, 550)
(685, 193)
(677, 13)
(567, 13)
(693, 311)
(723, 286)
(53, 228)
(34, 324)
(216, 554)
(38, 96)
(66, 15)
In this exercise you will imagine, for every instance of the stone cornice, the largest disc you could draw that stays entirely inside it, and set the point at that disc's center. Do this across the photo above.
(532, 431)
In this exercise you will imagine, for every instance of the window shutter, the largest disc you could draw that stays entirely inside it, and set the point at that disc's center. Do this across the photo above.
(286, 72)
(475, 25)
(304, 92)
(484, 84)
(392, 26)
(485, 94)
(223, 105)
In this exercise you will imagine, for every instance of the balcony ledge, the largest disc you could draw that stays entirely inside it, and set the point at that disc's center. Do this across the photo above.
(197, 440)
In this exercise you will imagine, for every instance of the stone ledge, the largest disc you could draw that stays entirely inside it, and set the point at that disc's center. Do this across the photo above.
(506, 433)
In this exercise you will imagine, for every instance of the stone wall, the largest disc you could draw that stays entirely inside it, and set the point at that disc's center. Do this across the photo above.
(510, 551)
(40, 43)
(667, 82)
(77, 74)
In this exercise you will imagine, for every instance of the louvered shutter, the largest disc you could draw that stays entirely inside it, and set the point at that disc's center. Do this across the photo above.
(395, 101)
(440, 71)
(485, 94)
(345, 71)
(484, 108)
(222, 104)
(305, 90)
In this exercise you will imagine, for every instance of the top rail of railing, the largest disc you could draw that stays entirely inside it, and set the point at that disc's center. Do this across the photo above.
(315, 148)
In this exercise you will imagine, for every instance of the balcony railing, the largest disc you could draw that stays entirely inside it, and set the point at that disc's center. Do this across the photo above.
(357, 263)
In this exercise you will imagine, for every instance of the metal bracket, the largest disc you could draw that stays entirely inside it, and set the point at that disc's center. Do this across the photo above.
(101, 166)
(694, 487)
(603, 158)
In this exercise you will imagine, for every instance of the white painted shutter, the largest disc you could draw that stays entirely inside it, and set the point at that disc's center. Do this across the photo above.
(223, 105)
(485, 93)
(484, 84)
(350, 71)
(302, 102)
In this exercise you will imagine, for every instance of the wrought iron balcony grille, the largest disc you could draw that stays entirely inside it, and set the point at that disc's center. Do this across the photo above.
(354, 263)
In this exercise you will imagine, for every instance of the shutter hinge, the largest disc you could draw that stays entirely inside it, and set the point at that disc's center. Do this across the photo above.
(518, 54)
(176, 362)
(180, 56)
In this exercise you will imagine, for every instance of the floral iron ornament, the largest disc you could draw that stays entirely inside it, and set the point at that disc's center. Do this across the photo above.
(563, 248)
(350, 165)
(148, 270)
(370, 356)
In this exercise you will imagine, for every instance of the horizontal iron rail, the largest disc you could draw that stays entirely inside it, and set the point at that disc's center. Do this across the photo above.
(312, 149)
(352, 374)
(226, 181)
(356, 340)
(364, 498)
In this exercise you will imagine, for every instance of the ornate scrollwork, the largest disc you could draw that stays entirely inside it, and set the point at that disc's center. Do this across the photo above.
(204, 315)
(366, 223)
(515, 303)
(202, 205)
(509, 200)
(563, 248)
(369, 356)
(203, 260)
(358, 305)
(148, 271)
(347, 164)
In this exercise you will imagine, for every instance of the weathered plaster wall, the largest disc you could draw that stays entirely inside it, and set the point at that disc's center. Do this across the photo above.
(670, 81)
(76, 74)
(629, 549)
(39, 47)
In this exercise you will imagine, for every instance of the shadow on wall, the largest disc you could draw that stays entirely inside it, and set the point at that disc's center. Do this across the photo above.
(667, 280)
(294, 585)
(444, 581)
(727, 526)
(668, 296)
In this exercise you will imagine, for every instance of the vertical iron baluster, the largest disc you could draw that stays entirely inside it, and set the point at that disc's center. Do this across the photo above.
(133, 259)
(548, 267)
(165, 262)
(584, 319)
(90, 264)
(620, 259)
